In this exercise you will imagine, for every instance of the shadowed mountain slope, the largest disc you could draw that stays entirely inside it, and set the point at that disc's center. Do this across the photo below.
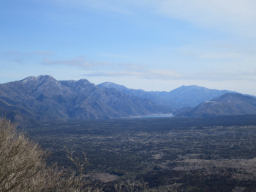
(228, 104)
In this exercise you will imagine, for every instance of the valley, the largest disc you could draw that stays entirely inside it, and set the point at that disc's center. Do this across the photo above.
(181, 154)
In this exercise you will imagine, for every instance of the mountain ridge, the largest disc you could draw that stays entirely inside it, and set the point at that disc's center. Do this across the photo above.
(45, 98)
(49, 99)
(181, 97)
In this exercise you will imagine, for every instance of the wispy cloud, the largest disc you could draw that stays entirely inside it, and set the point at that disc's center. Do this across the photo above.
(22, 56)
(146, 74)
(223, 76)
(214, 76)
(232, 15)
(219, 55)
(210, 12)
(26, 53)
(81, 62)
(85, 64)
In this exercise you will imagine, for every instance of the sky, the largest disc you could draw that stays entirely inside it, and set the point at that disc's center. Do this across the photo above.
(142, 44)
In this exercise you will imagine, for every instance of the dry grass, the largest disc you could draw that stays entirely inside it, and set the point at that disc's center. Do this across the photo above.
(23, 167)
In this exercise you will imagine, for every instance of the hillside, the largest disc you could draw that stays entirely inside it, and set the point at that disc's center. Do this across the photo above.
(228, 104)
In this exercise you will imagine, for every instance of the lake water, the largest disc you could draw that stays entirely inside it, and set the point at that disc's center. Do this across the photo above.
(162, 115)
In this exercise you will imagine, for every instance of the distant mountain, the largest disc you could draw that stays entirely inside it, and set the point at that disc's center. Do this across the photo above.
(45, 98)
(191, 96)
(182, 97)
(113, 86)
(227, 104)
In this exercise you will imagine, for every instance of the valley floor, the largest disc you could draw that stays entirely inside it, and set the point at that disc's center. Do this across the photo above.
(168, 154)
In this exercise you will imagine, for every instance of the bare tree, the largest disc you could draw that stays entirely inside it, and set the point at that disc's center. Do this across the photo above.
(22, 167)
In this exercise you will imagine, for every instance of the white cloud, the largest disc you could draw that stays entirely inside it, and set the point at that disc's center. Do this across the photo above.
(232, 15)
(231, 75)
(146, 74)
(210, 11)
(212, 76)
(21, 57)
(81, 62)
(220, 55)
(85, 64)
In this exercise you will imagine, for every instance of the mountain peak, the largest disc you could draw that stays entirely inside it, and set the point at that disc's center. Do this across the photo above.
(38, 78)
(112, 85)
(30, 78)
(190, 87)
(83, 81)
(45, 77)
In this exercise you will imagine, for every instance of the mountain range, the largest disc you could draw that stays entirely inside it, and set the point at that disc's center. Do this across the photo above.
(43, 98)
(182, 97)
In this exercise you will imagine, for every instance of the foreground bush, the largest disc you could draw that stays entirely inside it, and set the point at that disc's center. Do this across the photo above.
(22, 166)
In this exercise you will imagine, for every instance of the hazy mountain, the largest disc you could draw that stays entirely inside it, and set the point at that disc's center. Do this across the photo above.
(182, 97)
(45, 98)
(191, 96)
(228, 104)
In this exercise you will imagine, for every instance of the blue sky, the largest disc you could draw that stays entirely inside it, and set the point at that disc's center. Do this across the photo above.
(148, 44)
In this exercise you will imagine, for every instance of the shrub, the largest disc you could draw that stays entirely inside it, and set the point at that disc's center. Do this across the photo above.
(23, 167)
